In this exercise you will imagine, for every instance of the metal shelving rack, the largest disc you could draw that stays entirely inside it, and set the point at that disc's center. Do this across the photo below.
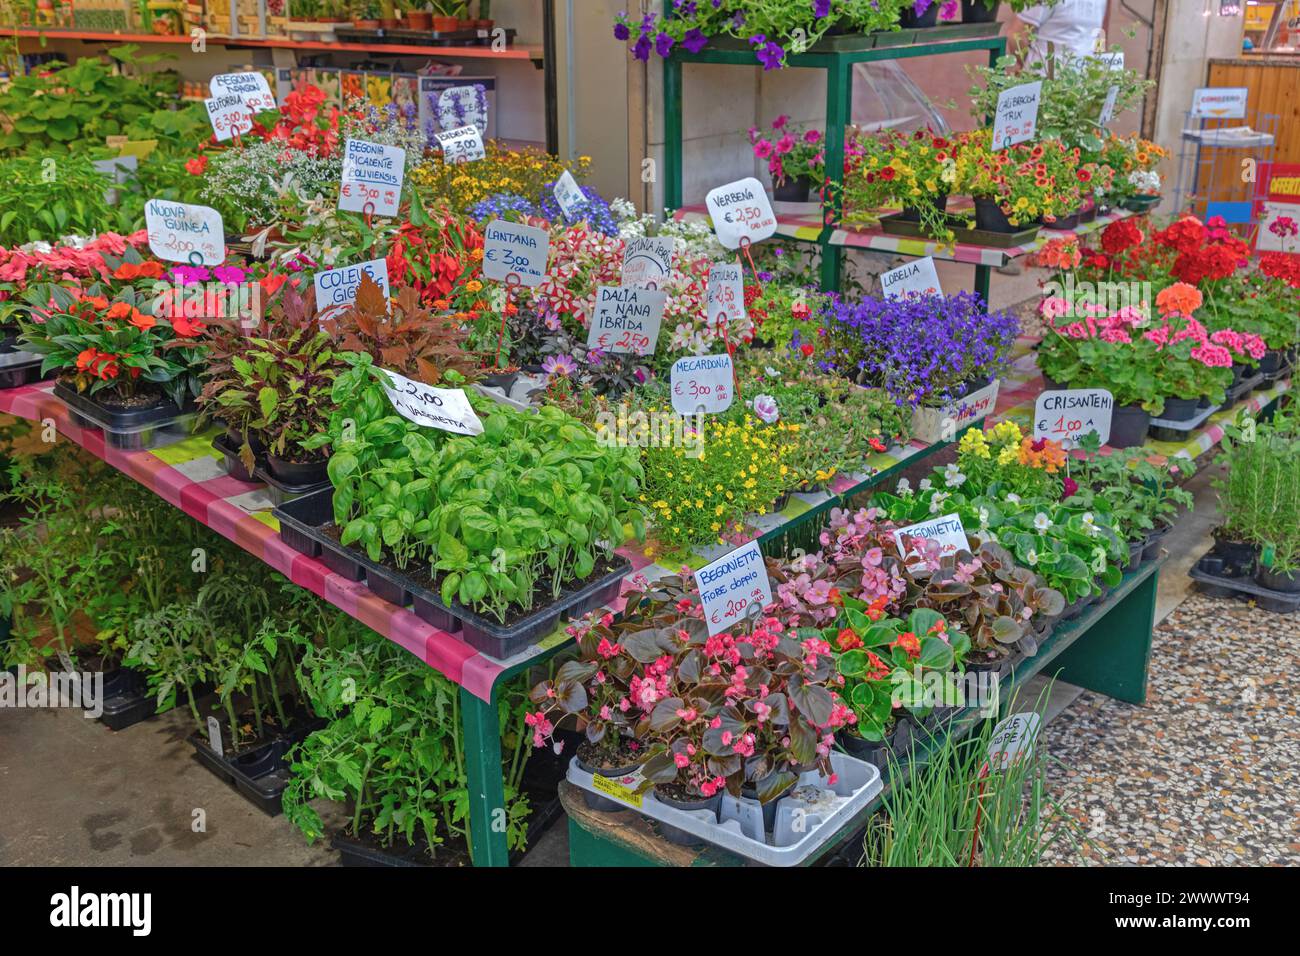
(836, 55)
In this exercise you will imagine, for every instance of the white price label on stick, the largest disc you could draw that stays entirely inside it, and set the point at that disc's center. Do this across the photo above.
(1108, 107)
(1016, 119)
(252, 88)
(463, 145)
(569, 195)
(513, 249)
(336, 288)
(181, 232)
(229, 116)
(626, 319)
(445, 408)
(726, 292)
(372, 178)
(734, 587)
(947, 530)
(1068, 414)
(647, 261)
(702, 384)
(214, 736)
(919, 275)
(1012, 740)
(741, 211)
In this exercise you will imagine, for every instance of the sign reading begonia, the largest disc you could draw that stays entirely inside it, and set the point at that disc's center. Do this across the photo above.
(947, 531)
(182, 232)
(1068, 414)
(626, 319)
(741, 212)
(733, 588)
(251, 88)
(372, 178)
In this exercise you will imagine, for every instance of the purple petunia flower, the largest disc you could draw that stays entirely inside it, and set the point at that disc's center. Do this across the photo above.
(664, 45)
(821, 8)
(695, 40)
(641, 49)
(621, 32)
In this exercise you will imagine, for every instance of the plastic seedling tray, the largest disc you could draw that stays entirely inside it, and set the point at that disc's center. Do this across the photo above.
(1242, 587)
(234, 464)
(260, 772)
(131, 430)
(19, 368)
(127, 700)
(302, 524)
(895, 225)
(1243, 388)
(806, 819)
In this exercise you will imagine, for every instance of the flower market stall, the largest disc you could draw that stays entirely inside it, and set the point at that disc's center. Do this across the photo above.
(506, 501)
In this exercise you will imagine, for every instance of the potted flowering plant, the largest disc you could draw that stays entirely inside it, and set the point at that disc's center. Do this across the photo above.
(1137, 181)
(123, 354)
(1019, 186)
(915, 171)
(922, 349)
(795, 159)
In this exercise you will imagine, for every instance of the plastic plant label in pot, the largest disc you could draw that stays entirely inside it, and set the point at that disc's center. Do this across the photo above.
(569, 196)
(513, 249)
(463, 145)
(337, 288)
(702, 384)
(734, 587)
(626, 319)
(250, 87)
(182, 232)
(1016, 119)
(1066, 415)
(372, 178)
(647, 261)
(1013, 740)
(918, 276)
(445, 408)
(742, 213)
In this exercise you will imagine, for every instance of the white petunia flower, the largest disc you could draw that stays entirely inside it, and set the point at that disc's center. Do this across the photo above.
(1042, 522)
(904, 487)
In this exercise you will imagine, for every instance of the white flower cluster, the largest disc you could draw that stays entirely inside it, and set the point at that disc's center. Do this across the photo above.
(1144, 181)
(694, 238)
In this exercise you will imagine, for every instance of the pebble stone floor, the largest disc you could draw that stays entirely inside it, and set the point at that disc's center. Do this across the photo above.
(1206, 773)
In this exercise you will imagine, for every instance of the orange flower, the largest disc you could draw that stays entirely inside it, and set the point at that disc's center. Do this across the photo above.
(1181, 298)
(119, 310)
(1043, 453)
(142, 321)
(140, 270)
(86, 359)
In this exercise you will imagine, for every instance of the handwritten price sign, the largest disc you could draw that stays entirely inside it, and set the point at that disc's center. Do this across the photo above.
(1066, 415)
(444, 408)
(1016, 119)
(917, 276)
(251, 88)
(627, 319)
(462, 106)
(702, 384)
(948, 531)
(335, 288)
(372, 178)
(569, 196)
(726, 293)
(733, 588)
(741, 211)
(463, 145)
(647, 261)
(510, 248)
(180, 232)
(229, 116)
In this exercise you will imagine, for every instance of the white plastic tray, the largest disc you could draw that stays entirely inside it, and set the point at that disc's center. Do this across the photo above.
(805, 820)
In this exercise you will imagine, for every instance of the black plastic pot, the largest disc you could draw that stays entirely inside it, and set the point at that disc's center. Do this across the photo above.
(502, 380)
(1089, 213)
(127, 700)
(1211, 574)
(794, 190)
(8, 339)
(18, 374)
(913, 213)
(1068, 222)
(974, 11)
(353, 852)
(990, 218)
(680, 837)
(296, 473)
(1151, 550)
(1135, 550)
(897, 742)
(1238, 557)
(260, 771)
(908, 19)
(1180, 409)
(235, 466)
(160, 412)
(597, 802)
(1271, 363)
(1129, 425)
(1284, 583)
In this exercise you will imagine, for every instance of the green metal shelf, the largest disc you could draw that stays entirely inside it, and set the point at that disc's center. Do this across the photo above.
(837, 57)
